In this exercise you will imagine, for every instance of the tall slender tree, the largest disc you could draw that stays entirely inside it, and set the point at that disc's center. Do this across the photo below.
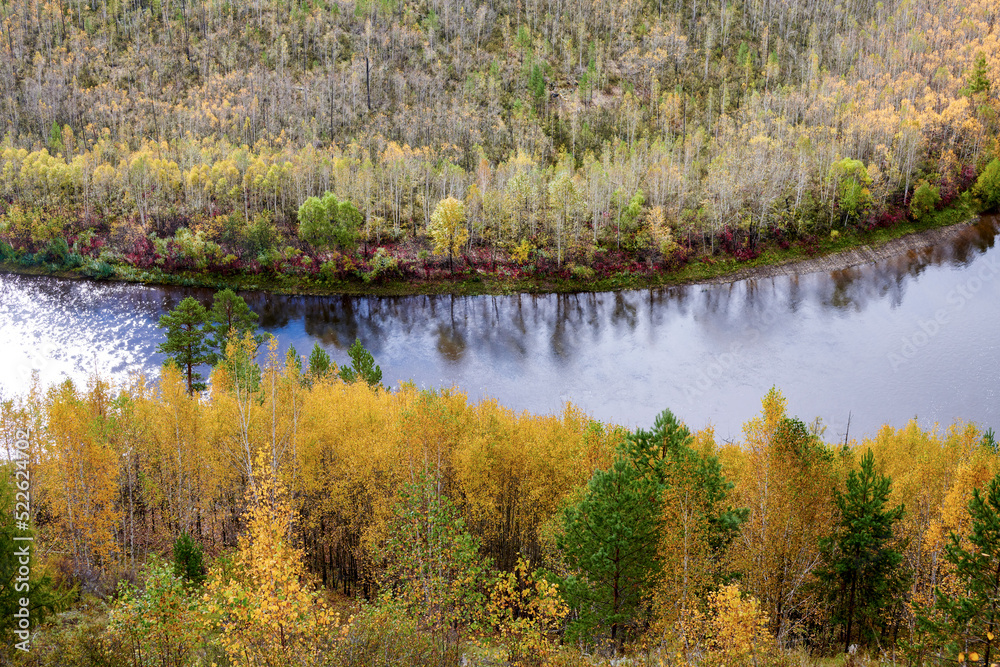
(186, 344)
(967, 618)
(861, 568)
(448, 229)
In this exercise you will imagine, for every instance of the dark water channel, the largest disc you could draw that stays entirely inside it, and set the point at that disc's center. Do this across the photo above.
(916, 335)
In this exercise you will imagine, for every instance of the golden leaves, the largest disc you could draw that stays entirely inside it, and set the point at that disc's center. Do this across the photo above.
(265, 596)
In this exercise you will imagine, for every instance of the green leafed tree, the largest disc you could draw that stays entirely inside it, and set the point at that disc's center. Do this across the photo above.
(854, 197)
(861, 562)
(564, 198)
(987, 188)
(230, 315)
(159, 619)
(967, 619)
(362, 366)
(187, 345)
(925, 199)
(434, 569)
(326, 222)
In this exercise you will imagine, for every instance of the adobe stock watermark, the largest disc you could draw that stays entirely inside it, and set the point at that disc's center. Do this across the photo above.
(22, 541)
(956, 299)
(720, 365)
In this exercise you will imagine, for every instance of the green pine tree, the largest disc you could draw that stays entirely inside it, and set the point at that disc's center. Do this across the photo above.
(188, 559)
(611, 535)
(362, 366)
(186, 344)
(293, 359)
(969, 620)
(667, 448)
(978, 82)
(319, 362)
(610, 542)
(230, 315)
(861, 569)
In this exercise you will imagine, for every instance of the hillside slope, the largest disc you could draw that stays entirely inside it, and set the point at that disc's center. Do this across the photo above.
(567, 128)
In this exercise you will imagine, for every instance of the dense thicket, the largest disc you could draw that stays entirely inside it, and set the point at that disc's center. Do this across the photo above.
(472, 530)
(582, 126)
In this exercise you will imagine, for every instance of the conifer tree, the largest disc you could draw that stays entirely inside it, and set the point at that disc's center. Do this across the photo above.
(861, 567)
(967, 619)
(612, 535)
(319, 362)
(610, 544)
(978, 81)
(188, 559)
(186, 345)
(229, 315)
(362, 366)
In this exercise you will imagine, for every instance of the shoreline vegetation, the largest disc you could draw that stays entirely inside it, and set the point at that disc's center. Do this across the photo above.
(387, 147)
(366, 526)
(834, 252)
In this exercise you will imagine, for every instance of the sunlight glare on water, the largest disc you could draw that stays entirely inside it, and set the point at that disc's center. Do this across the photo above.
(885, 342)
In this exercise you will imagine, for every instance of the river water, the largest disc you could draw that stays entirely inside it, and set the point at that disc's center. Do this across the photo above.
(913, 336)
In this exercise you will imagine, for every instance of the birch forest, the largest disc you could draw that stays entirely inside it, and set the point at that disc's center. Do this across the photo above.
(582, 134)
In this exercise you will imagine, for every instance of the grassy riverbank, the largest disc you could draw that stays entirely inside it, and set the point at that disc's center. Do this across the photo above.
(469, 279)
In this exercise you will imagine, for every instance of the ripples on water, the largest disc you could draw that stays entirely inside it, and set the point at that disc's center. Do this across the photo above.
(861, 341)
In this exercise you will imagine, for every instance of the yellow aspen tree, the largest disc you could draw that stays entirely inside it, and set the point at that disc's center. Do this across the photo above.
(925, 466)
(80, 474)
(736, 628)
(786, 482)
(177, 460)
(264, 609)
(448, 229)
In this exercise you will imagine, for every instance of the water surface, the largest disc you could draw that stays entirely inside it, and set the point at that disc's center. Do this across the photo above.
(913, 336)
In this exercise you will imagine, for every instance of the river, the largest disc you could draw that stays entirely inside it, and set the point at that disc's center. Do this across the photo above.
(912, 336)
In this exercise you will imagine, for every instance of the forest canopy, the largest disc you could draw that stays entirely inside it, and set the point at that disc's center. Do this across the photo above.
(188, 136)
(414, 524)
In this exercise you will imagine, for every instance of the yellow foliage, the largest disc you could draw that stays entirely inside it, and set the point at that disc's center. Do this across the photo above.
(522, 251)
(79, 471)
(447, 227)
(265, 610)
(785, 478)
(732, 632)
(526, 610)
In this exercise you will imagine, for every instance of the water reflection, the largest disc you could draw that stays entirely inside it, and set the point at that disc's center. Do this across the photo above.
(709, 352)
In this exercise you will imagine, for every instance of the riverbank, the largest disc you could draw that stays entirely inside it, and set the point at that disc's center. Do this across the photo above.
(836, 251)
(913, 242)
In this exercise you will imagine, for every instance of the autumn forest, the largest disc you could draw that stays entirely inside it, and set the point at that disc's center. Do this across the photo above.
(254, 508)
(290, 516)
(578, 140)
